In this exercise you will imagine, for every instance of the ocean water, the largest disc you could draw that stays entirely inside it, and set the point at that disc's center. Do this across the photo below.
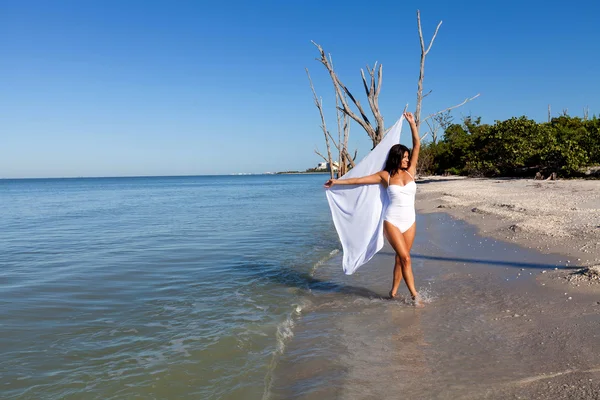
(178, 287)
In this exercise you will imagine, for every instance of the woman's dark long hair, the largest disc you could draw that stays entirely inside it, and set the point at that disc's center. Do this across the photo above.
(394, 159)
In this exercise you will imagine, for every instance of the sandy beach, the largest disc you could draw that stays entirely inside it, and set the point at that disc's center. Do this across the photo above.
(559, 217)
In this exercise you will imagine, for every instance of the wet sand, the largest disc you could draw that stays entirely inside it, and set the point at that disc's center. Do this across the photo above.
(560, 217)
(494, 326)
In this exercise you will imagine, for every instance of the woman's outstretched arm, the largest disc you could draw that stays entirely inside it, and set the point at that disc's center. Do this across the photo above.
(374, 179)
(414, 155)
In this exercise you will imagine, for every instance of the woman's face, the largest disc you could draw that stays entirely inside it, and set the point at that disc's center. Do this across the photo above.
(404, 162)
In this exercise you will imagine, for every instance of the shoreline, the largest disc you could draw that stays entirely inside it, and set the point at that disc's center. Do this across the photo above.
(554, 217)
(490, 328)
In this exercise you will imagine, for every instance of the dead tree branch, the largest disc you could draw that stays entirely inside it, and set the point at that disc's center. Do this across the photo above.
(346, 128)
(339, 115)
(439, 124)
(321, 155)
(441, 120)
(372, 90)
(422, 69)
(451, 108)
(430, 131)
(319, 104)
(343, 134)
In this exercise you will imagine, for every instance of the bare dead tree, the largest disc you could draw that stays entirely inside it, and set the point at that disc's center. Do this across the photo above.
(439, 121)
(347, 159)
(341, 170)
(342, 146)
(372, 91)
(424, 53)
(420, 96)
(343, 124)
(319, 104)
(343, 134)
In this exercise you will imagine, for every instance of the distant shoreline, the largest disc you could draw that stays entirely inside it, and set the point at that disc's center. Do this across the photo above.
(300, 173)
(157, 176)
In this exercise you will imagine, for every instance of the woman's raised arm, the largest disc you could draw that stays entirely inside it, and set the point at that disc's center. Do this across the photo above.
(414, 155)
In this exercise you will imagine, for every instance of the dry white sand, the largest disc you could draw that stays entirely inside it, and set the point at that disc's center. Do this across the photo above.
(561, 217)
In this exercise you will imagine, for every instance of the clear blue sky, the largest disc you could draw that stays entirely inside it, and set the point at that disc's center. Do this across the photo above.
(119, 88)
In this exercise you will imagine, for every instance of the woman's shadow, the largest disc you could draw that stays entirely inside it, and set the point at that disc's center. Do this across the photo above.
(287, 276)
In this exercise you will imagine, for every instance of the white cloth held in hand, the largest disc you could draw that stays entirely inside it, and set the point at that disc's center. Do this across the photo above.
(357, 210)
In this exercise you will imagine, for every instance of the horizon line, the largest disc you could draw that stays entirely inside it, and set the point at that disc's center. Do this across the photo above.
(159, 176)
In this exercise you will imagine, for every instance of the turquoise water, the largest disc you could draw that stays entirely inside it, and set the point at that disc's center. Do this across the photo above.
(154, 287)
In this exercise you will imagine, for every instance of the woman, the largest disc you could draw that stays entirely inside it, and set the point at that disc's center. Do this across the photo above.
(399, 217)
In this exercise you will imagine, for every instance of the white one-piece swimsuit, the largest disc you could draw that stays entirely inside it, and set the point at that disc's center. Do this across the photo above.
(400, 211)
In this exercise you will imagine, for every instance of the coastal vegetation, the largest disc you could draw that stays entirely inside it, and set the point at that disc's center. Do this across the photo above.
(564, 145)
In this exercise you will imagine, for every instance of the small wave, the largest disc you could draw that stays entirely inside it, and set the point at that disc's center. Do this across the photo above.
(323, 260)
(427, 294)
(179, 346)
(285, 331)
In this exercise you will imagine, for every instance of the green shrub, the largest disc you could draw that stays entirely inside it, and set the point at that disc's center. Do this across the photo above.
(515, 146)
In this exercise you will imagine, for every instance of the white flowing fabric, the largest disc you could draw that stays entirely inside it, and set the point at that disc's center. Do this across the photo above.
(357, 210)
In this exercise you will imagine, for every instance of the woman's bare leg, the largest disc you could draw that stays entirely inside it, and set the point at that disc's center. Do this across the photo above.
(397, 275)
(397, 278)
(398, 242)
(409, 236)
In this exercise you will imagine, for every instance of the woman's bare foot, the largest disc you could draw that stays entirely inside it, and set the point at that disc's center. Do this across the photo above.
(418, 301)
(392, 296)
